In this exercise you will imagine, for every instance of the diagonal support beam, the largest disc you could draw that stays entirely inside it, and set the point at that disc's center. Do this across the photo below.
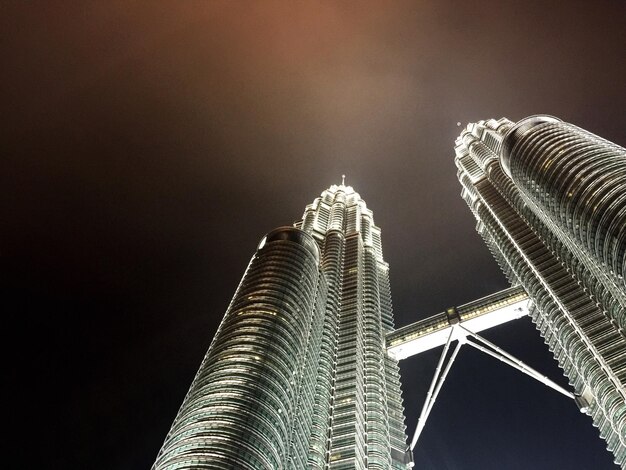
(488, 348)
(512, 361)
(441, 380)
(435, 387)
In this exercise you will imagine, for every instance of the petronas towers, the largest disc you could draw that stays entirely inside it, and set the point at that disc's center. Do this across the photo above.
(298, 375)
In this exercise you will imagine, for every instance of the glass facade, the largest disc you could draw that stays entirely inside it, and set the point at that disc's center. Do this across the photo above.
(297, 375)
(550, 202)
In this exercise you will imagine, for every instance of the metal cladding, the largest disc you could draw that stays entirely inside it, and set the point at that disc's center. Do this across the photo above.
(515, 133)
(550, 201)
(297, 376)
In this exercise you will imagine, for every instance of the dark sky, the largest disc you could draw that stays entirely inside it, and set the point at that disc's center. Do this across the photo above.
(147, 147)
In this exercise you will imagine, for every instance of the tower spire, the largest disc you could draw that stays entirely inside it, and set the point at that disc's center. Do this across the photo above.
(343, 180)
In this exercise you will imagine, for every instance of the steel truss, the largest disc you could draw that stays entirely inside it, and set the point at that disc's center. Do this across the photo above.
(464, 336)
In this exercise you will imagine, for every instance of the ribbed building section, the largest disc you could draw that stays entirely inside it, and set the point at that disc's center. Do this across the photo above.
(550, 203)
(576, 183)
(366, 419)
(297, 376)
(247, 406)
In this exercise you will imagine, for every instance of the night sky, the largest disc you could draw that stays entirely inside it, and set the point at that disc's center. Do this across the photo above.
(147, 147)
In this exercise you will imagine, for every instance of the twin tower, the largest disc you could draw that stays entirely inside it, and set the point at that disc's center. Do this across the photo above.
(298, 375)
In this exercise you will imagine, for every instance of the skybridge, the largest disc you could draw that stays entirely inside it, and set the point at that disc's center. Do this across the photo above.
(462, 324)
(482, 314)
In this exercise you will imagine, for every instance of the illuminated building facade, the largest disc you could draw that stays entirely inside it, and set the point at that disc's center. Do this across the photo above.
(550, 201)
(297, 376)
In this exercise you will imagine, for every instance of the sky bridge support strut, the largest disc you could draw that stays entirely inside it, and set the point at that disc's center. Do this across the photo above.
(461, 334)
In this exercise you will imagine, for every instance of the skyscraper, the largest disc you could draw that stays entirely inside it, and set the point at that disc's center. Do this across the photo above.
(297, 375)
(550, 201)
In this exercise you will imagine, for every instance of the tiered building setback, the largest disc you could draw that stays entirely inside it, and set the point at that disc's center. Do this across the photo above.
(550, 201)
(297, 376)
